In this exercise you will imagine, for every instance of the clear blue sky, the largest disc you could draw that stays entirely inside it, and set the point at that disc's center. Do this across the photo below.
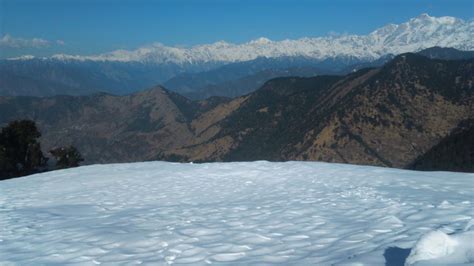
(94, 26)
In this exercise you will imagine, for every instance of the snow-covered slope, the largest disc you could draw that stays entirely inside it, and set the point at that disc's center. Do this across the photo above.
(414, 35)
(301, 213)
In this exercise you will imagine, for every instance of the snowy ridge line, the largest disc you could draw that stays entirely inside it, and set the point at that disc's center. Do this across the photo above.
(414, 35)
(248, 213)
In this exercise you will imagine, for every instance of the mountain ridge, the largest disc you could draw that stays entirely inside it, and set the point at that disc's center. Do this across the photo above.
(385, 116)
(381, 116)
(416, 34)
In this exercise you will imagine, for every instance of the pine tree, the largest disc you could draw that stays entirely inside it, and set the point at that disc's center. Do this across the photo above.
(66, 157)
(20, 151)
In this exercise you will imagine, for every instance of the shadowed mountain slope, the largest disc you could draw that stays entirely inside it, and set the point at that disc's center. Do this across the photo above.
(453, 153)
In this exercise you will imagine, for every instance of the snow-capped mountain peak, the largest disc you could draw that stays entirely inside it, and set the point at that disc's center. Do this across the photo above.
(423, 17)
(260, 41)
(23, 57)
(416, 34)
(427, 19)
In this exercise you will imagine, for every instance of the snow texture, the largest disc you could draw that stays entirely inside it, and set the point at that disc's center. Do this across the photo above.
(437, 247)
(303, 213)
(414, 35)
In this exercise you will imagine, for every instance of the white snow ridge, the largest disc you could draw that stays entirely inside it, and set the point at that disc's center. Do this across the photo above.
(255, 213)
(414, 35)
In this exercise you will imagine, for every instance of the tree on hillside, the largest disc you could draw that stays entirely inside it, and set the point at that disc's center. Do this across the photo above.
(20, 151)
(66, 157)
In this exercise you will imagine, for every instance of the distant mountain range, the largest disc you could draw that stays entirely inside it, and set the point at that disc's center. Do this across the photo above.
(221, 68)
(416, 34)
(401, 114)
(237, 79)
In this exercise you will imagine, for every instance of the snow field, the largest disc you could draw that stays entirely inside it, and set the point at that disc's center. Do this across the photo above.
(237, 213)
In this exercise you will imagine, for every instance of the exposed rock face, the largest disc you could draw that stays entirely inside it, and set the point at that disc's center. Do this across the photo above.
(385, 116)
